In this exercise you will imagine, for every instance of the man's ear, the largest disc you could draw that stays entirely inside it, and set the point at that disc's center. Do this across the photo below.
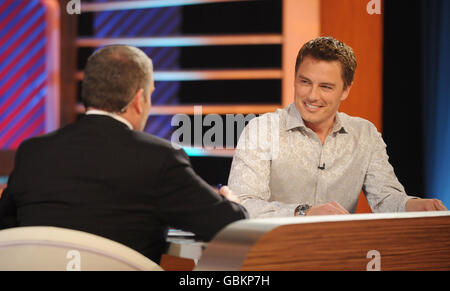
(138, 101)
(346, 92)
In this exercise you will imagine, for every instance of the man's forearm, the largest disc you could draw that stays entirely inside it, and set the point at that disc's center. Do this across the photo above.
(259, 208)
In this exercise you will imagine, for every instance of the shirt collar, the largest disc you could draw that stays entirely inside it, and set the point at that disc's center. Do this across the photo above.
(295, 120)
(113, 115)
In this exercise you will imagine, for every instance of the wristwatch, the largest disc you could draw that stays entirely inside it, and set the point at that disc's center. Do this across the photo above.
(301, 209)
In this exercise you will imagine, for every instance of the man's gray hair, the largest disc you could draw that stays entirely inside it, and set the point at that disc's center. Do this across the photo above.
(113, 75)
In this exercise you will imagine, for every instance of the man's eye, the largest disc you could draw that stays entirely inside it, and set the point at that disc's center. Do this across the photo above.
(304, 81)
(327, 87)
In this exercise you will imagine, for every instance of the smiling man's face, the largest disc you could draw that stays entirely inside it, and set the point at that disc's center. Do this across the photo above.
(319, 90)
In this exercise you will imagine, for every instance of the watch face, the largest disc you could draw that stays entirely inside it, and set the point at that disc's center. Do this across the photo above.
(304, 207)
(301, 209)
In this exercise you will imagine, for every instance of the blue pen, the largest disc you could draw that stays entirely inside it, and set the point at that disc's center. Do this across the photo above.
(219, 186)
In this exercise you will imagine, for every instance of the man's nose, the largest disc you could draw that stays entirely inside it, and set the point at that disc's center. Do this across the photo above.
(313, 94)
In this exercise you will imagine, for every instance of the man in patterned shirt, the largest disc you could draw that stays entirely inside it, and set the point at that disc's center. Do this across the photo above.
(310, 159)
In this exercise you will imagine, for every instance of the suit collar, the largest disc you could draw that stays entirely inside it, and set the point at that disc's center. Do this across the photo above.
(104, 121)
(110, 114)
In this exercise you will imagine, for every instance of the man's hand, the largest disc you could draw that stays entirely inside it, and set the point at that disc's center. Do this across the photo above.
(331, 208)
(425, 205)
(227, 193)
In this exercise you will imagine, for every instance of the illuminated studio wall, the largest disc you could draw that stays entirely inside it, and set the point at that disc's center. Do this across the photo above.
(23, 81)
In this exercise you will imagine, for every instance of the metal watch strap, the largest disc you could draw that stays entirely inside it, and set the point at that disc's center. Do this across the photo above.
(302, 209)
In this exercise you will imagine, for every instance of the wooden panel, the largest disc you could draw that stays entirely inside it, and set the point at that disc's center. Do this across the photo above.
(6, 162)
(301, 23)
(348, 21)
(404, 244)
(172, 263)
(363, 205)
(68, 66)
(52, 104)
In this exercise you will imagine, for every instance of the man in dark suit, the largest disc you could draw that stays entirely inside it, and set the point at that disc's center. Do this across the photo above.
(104, 176)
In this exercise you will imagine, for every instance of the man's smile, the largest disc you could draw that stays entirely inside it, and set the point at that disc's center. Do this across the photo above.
(311, 107)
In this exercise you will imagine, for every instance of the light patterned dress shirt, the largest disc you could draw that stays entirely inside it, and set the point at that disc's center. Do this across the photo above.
(276, 166)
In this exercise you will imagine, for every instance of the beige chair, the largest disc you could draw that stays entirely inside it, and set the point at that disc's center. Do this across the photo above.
(58, 249)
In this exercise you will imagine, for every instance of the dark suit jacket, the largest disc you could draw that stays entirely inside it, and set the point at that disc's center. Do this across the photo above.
(98, 176)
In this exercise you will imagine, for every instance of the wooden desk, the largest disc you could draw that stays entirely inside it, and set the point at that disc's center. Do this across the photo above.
(182, 254)
(393, 241)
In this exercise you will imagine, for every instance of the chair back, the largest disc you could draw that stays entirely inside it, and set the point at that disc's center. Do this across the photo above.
(58, 249)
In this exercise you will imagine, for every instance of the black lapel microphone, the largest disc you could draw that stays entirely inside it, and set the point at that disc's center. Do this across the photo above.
(321, 167)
